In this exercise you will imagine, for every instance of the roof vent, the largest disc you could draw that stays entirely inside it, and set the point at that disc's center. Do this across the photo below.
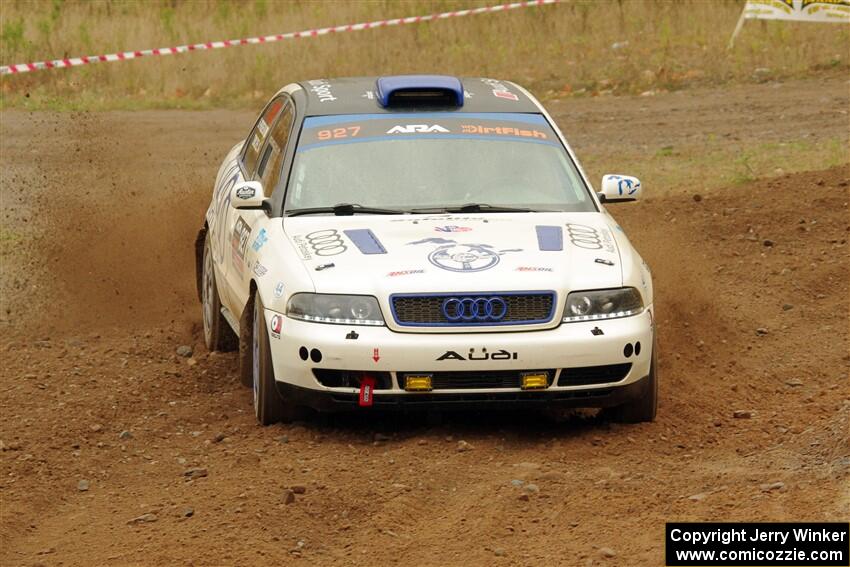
(420, 90)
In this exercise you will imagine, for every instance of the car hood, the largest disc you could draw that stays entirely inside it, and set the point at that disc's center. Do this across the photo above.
(381, 255)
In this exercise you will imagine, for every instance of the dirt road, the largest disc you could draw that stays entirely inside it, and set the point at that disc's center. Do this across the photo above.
(116, 451)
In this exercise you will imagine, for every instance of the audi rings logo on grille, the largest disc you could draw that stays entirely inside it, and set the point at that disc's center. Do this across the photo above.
(326, 242)
(583, 236)
(474, 309)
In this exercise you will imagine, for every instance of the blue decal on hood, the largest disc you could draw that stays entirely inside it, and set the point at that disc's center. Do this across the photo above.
(550, 238)
(366, 241)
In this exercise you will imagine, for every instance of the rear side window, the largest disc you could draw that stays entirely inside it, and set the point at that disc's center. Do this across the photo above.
(254, 143)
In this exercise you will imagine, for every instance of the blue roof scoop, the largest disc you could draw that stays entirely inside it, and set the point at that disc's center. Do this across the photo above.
(420, 90)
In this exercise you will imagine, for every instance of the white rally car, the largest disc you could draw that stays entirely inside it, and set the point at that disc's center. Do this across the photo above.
(423, 242)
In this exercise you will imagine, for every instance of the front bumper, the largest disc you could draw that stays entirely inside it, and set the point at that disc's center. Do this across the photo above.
(380, 350)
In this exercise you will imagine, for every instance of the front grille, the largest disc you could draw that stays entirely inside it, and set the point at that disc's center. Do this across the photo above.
(423, 310)
(594, 374)
(468, 380)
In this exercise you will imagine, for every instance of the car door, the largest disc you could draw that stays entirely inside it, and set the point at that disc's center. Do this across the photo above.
(261, 160)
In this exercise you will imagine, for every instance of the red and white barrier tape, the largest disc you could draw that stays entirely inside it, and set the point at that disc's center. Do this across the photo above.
(75, 61)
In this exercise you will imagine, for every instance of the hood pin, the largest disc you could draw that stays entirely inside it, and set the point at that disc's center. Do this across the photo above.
(324, 267)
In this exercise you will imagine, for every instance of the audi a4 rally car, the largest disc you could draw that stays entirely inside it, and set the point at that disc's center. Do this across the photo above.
(422, 241)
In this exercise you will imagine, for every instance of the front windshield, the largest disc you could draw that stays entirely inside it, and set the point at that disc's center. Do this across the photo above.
(434, 160)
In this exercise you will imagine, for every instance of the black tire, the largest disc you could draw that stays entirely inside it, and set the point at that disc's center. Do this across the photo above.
(644, 407)
(217, 332)
(269, 407)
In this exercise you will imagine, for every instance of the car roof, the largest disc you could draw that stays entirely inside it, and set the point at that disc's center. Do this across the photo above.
(359, 95)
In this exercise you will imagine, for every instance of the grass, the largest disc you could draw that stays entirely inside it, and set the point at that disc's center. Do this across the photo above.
(577, 48)
(699, 168)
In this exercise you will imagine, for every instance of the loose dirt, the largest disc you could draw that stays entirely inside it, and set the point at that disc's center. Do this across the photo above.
(99, 216)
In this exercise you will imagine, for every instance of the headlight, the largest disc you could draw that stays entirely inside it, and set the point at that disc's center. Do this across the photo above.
(602, 304)
(336, 309)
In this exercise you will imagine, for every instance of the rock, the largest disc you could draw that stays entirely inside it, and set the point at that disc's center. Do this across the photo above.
(298, 489)
(499, 552)
(787, 307)
(698, 497)
(532, 488)
(195, 473)
(607, 552)
(96, 428)
(288, 497)
(793, 383)
(517, 483)
(380, 437)
(762, 331)
(772, 486)
(219, 437)
(188, 512)
(697, 197)
(283, 439)
(144, 518)
(767, 242)
(191, 362)
(523, 497)
(83, 486)
(125, 435)
(742, 414)
(185, 351)
(463, 446)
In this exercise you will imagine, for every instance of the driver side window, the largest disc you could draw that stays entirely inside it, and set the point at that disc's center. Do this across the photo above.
(254, 143)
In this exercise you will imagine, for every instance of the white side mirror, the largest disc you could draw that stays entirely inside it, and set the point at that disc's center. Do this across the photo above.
(247, 195)
(620, 188)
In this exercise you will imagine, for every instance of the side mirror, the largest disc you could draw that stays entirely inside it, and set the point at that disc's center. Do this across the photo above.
(248, 195)
(619, 188)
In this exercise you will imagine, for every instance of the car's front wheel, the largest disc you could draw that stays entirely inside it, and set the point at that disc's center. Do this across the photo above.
(217, 333)
(269, 407)
(645, 405)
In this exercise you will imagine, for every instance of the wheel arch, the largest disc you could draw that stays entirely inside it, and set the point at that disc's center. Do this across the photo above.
(200, 241)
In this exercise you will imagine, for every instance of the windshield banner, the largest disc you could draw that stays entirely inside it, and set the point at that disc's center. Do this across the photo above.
(342, 129)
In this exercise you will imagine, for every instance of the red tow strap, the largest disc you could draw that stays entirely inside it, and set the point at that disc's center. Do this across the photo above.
(367, 387)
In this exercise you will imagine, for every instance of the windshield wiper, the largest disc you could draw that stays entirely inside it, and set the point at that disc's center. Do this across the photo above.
(344, 209)
(475, 208)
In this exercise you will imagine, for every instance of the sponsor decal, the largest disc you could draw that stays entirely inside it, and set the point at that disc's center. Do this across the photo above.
(376, 354)
(239, 243)
(321, 243)
(503, 131)
(534, 269)
(457, 257)
(278, 289)
(452, 228)
(255, 143)
(404, 273)
(583, 236)
(246, 192)
(325, 266)
(500, 90)
(262, 238)
(338, 133)
(322, 89)
(474, 309)
(500, 354)
(417, 129)
(604, 261)
(263, 128)
(260, 270)
(276, 325)
(626, 186)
